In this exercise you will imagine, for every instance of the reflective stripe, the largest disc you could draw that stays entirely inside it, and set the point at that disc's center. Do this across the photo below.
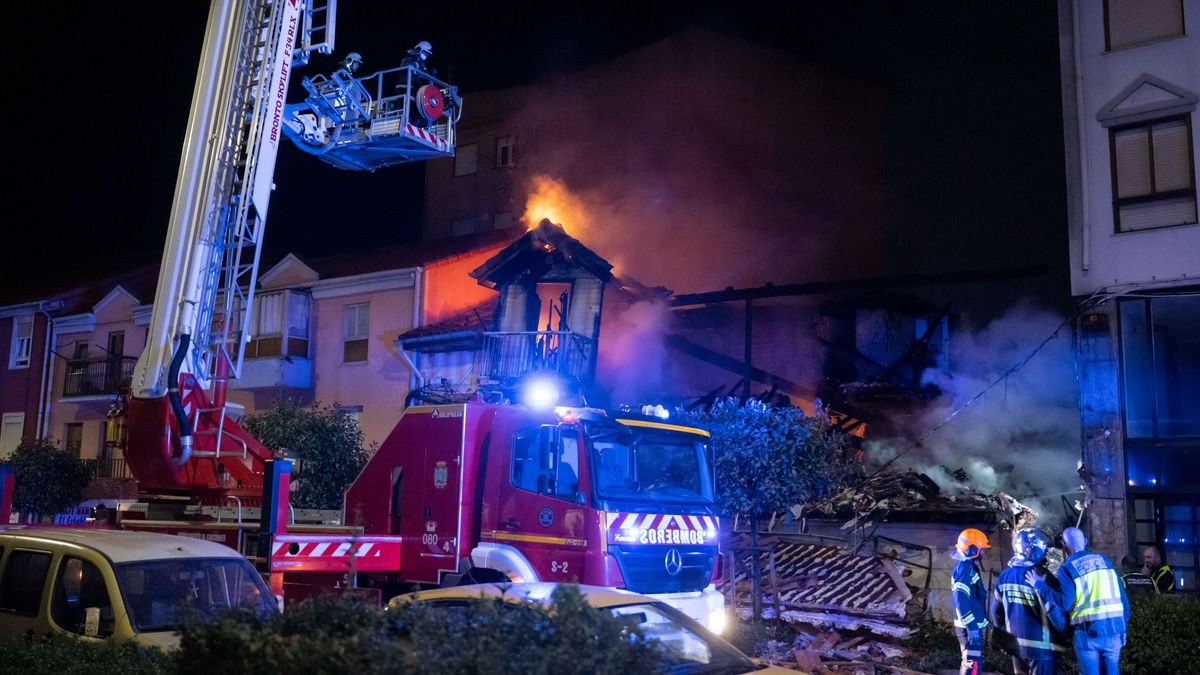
(959, 586)
(1097, 595)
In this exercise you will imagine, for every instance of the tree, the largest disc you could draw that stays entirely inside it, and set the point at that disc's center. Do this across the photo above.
(48, 479)
(769, 458)
(327, 441)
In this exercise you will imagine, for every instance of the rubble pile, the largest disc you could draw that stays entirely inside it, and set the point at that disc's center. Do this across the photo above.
(896, 490)
(844, 609)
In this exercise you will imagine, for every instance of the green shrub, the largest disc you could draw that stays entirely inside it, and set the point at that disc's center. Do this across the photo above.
(326, 439)
(48, 479)
(341, 635)
(68, 656)
(1162, 636)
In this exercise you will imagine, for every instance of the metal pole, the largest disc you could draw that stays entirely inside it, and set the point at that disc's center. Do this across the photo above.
(748, 345)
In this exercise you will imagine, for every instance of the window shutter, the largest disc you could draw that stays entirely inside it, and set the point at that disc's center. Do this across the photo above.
(1133, 162)
(1172, 170)
(1132, 22)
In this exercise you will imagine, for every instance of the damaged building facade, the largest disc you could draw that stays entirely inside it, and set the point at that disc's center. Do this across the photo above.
(1130, 80)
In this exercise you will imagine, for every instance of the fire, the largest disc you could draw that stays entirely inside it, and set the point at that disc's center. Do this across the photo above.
(549, 198)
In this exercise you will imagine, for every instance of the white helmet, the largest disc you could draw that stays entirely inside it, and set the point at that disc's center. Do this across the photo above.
(352, 61)
(424, 48)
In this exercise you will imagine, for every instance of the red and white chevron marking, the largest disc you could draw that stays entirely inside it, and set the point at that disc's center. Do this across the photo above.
(657, 528)
(320, 553)
(345, 549)
(425, 136)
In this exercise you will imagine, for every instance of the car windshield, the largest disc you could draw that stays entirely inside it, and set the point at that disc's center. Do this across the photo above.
(162, 594)
(651, 465)
(689, 649)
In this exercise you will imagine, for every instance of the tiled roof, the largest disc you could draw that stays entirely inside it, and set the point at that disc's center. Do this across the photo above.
(476, 319)
(400, 256)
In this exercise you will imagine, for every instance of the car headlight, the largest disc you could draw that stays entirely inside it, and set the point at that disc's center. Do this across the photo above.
(716, 621)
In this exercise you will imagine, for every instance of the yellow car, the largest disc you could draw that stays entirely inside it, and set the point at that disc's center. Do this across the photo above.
(118, 585)
(691, 647)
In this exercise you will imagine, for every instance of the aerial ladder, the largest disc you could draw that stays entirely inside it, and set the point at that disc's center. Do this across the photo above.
(182, 440)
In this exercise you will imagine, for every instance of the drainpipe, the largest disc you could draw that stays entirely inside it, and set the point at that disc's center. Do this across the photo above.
(416, 380)
(46, 391)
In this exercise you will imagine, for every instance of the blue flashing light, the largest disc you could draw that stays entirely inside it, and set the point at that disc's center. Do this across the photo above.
(541, 393)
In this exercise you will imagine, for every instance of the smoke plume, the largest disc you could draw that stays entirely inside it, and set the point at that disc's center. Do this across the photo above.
(1022, 436)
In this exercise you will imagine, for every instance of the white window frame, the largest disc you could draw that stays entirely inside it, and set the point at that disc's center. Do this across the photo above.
(7, 419)
(353, 334)
(506, 143)
(22, 347)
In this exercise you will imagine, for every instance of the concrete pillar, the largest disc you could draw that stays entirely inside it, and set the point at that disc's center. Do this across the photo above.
(1102, 442)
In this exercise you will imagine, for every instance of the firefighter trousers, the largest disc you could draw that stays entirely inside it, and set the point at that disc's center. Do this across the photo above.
(970, 642)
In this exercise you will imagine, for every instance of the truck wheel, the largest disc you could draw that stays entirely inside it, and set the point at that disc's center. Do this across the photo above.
(484, 575)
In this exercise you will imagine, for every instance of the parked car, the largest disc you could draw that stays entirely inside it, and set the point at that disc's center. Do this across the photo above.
(119, 585)
(691, 647)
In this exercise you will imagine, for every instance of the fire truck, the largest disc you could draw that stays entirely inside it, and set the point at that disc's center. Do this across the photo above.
(457, 493)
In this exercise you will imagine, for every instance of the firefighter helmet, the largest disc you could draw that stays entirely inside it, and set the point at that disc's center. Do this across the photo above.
(352, 61)
(970, 544)
(423, 49)
(1030, 544)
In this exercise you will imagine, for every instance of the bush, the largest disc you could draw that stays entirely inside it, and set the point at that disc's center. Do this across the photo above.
(48, 479)
(68, 656)
(328, 442)
(344, 635)
(1162, 635)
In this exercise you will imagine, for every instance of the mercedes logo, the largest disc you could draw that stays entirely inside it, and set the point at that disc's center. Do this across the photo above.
(673, 562)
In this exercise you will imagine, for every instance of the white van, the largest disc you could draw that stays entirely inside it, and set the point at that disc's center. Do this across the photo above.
(118, 584)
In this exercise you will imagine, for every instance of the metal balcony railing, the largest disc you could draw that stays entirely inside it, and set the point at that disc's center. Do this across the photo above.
(510, 355)
(108, 467)
(98, 377)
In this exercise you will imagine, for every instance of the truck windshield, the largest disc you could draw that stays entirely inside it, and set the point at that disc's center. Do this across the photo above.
(650, 465)
(162, 594)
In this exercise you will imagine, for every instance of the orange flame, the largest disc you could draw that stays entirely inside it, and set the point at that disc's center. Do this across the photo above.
(550, 199)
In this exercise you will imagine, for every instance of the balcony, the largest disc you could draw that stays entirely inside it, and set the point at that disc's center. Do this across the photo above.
(102, 376)
(508, 356)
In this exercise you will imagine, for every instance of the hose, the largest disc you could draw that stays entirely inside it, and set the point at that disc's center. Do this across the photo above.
(185, 425)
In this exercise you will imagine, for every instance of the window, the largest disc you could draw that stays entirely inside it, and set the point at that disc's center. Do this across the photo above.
(24, 578)
(506, 151)
(1180, 529)
(536, 468)
(73, 438)
(502, 220)
(1160, 364)
(1128, 23)
(355, 331)
(1154, 181)
(466, 160)
(12, 427)
(78, 592)
(22, 342)
(81, 351)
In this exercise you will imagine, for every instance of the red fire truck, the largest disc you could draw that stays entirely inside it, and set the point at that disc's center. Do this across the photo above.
(472, 491)
(485, 492)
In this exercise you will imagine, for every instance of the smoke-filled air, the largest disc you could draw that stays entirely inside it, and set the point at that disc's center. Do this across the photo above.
(1022, 436)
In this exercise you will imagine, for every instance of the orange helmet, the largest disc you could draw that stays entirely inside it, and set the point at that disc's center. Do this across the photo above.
(971, 543)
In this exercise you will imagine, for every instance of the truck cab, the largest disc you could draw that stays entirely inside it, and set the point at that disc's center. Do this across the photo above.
(486, 492)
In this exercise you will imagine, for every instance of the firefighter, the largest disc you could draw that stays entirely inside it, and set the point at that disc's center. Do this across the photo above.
(1159, 572)
(1017, 609)
(352, 62)
(418, 57)
(1094, 598)
(970, 612)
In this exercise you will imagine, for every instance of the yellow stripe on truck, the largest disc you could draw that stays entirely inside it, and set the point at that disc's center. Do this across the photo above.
(660, 425)
(536, 538)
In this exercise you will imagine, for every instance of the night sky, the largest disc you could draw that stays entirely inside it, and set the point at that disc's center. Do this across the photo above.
(99, 93)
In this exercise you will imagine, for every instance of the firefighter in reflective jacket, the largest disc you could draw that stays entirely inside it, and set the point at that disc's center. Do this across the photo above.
(1017, 609)
(970, 612)
(1094, 598)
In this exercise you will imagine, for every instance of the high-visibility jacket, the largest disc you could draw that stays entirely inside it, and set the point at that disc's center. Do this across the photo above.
(970, 598)
(1092, 593)
(1164, 580)
(1017, 609)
